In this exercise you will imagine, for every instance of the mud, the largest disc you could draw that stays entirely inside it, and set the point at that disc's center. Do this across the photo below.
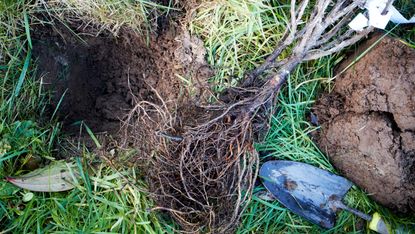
(368, 123)
(98, 79)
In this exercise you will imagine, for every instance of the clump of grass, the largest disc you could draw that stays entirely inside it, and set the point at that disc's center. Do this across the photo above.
(109, 15)
(106, 200)
(239, 35)
(21, 98)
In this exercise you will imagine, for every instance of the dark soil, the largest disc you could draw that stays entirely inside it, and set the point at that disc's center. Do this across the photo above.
(368, 123)
(100, 78)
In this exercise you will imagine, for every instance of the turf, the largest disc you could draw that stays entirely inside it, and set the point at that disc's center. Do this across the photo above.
(108, 15)
(238, 34)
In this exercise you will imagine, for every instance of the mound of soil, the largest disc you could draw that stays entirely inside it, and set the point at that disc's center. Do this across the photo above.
(368, 123)
(99, 78)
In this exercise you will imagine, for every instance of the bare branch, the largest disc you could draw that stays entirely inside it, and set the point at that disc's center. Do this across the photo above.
(337, 48)
(334, 30)
(345, 36)
(340, 13)
(293, 27)
(282, 45)
(302, 7)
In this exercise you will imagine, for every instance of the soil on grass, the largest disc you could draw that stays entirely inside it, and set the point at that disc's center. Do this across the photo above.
(368, 123)
(98, 79)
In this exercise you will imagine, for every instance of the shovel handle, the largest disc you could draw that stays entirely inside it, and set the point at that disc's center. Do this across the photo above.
(358, 213)
(376, 223)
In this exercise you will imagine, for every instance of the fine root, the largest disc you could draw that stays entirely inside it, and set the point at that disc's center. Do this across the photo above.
(202, 175)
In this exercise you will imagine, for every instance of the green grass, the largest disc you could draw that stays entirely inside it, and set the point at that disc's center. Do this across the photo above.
(289, 138)
(238, 35)
(21, 98)
(109, 15)
(107, 199)
(104, 202)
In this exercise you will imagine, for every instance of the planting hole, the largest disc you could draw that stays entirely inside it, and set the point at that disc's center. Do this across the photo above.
(97, 79)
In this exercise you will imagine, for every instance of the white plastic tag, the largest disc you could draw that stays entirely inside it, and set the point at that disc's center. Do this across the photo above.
(398, 18)
(376, 19)
(359, 22)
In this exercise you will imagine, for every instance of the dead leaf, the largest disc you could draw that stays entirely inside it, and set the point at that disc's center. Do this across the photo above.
(56, 177)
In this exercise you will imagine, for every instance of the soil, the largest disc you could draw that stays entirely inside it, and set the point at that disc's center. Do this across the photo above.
(100, 78)
(368, 123)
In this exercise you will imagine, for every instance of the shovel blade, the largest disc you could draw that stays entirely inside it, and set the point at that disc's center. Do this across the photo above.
(304, 189)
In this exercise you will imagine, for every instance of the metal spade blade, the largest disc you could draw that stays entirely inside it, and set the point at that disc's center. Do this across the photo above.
(308, 191)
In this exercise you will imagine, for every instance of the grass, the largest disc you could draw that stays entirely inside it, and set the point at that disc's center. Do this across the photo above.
(20, 96)
(109, 15)
(238, 34)
(290, 139)
(107, 200)
(104, 202)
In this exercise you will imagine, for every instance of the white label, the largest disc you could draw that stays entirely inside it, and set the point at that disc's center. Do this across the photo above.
(376, 19)
(359, 22)
(398, 18)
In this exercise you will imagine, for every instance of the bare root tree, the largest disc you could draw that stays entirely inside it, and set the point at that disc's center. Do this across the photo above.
(205, 177)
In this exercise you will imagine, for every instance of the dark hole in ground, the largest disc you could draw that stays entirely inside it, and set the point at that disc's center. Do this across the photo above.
(98, 78)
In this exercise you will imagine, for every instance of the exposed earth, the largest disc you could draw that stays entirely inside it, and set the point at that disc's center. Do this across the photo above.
(99, 79)
(368, 123)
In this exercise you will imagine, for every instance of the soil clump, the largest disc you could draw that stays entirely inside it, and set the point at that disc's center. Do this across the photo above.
(368, 123)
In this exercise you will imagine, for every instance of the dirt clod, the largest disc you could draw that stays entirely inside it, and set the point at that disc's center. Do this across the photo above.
(368, 124)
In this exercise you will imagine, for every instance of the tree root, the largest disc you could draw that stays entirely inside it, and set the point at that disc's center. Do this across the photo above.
(203, 166)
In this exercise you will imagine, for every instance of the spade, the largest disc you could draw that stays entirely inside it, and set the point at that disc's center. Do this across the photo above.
(313, 193)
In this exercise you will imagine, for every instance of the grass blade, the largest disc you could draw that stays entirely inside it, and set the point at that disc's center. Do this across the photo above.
(12, 155)
(93, 137)
(23, 73)
(27, 29)
(58, 105)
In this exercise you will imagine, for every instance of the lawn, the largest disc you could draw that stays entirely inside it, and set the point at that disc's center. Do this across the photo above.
(112, 197)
